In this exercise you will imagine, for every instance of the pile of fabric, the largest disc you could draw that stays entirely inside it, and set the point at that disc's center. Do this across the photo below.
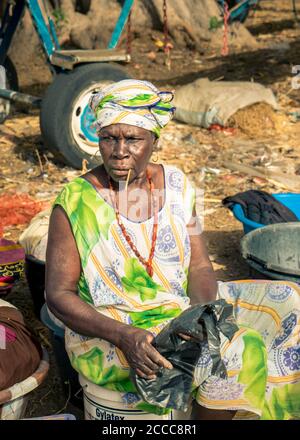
(261, 207)
(34, 238)
(11, 264)
(20, 352)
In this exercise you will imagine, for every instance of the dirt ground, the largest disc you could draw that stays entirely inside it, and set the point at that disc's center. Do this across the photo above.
(267, 140)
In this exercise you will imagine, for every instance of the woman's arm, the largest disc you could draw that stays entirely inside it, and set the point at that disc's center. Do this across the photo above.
(63, 269)
(202, 284)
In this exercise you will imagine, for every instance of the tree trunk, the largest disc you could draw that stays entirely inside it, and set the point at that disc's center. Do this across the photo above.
(27, 54)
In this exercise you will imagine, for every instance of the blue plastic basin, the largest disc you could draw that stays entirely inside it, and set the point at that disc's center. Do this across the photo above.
(290, 200)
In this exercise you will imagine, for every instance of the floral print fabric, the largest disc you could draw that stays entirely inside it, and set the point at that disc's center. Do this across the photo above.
(262, 360)
(132, 102)
(114, 281)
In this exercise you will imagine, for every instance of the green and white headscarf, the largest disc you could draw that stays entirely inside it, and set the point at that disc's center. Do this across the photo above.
(132, 102)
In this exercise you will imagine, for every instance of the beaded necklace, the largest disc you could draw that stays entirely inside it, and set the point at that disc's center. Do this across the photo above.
(154, 204)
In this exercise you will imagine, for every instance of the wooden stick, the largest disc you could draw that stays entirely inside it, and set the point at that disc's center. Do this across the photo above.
(39, 159)
(46, 159)
(212, 200)
(282, 180)
(127, 180)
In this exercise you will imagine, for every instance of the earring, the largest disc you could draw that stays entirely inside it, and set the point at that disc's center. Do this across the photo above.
(156, 159)
(97, 154)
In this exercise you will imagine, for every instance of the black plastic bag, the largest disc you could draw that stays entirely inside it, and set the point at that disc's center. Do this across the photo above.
(172, 388)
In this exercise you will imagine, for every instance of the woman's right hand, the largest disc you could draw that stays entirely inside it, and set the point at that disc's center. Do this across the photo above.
(136, 344)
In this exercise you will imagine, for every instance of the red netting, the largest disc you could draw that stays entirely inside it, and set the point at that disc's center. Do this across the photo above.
(17, 209)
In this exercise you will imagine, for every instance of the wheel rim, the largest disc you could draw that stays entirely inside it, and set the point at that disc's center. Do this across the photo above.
(82, 118)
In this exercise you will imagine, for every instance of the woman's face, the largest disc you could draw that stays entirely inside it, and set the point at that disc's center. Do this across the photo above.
(125, 147)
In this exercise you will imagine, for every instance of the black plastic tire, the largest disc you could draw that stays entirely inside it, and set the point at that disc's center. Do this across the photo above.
(11, 84)
(58, 107)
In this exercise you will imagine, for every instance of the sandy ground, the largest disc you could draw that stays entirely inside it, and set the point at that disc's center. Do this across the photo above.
(270, 141)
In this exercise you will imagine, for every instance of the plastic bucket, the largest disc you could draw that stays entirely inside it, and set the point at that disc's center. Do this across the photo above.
(15, 409)
(103, 404)
(13, 400)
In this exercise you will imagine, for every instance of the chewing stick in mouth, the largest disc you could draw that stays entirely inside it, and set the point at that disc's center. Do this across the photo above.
(127, 180)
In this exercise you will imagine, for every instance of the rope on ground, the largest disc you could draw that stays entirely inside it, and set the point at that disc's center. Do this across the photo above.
(225, 49)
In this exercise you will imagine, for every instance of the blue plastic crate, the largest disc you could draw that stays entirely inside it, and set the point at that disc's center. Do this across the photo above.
(290, 200)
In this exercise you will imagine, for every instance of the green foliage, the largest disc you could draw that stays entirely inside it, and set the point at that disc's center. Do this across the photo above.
(59, 17)
(214, 23)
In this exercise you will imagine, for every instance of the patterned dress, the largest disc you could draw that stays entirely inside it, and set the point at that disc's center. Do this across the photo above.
(263, 359)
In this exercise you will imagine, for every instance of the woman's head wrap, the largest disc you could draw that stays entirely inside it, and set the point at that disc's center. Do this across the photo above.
(132, 102)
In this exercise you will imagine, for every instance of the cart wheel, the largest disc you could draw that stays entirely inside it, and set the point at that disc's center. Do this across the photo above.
(66, 118)
(12, 84)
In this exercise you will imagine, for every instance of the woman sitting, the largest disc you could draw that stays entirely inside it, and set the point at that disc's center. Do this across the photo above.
(126, 255)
